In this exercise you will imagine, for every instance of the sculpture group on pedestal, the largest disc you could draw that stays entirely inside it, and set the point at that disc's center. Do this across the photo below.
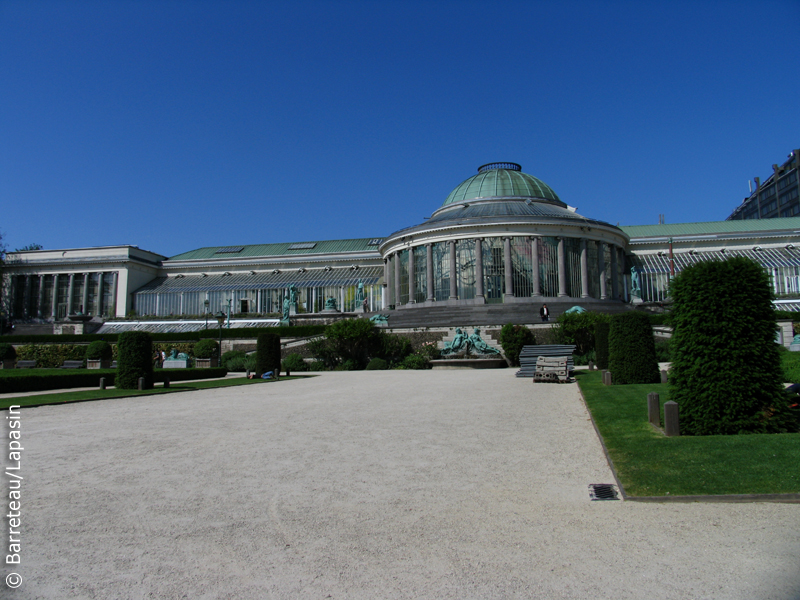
(463, 344)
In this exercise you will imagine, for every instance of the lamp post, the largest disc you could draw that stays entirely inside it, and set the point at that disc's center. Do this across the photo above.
(220, 316)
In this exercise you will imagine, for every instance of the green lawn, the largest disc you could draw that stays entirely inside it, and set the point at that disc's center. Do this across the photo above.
(79, 396)
(650, 464)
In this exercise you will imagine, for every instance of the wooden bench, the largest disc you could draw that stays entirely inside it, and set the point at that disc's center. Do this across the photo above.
(26, 364)
(72, 364)
(530, 355)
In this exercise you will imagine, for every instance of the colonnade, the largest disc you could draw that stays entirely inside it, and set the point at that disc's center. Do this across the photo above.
(401, 272)
(40, 296)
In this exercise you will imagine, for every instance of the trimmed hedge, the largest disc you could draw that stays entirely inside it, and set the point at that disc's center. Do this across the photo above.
(631, 349)
(253, 332)
(134, 360)
(601, 330)
(33, 381)
(51, 356)
(726, 371)
(189, 336)
(268, 354)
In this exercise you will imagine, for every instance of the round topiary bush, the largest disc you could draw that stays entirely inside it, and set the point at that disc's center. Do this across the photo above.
(268, 353)
(99, 350)
(726, 370)
(631, 349)
(377, 364)
(512, 339)
(7, 352)
(134, 360)
(206, 348)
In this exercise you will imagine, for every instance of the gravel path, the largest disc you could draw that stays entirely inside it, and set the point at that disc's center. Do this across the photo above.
(394, 484)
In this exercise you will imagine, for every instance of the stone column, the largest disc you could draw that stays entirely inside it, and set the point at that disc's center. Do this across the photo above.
(601, 266)
(479, 270)
(562, 269)
(537, 286)
(54, 310)
(114, 286)
(386, 300)
(99, 303)
(429, 263)
(26, 297)
(453, 272)
(396, 279)
(85, 298)
(584, 269)
(40, 300)
(412, 285)
(71, 289)
(507, 267)
(614, 274)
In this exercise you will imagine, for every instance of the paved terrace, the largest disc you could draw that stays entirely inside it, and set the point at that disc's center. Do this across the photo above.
(398, 484)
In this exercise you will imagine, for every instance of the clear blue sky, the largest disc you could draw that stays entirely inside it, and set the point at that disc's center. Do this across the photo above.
(177, 125)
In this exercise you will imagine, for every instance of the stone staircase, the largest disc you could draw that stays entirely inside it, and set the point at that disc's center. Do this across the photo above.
(487, 315)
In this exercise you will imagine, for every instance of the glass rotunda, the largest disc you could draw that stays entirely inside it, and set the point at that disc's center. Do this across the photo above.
(503, 236)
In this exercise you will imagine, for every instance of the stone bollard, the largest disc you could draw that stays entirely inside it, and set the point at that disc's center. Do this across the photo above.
(664, 377)
(671, 421)
(591, 365)
(166, 382)
(653, 409)
(141, 383)
(607, 380)
(102, 383)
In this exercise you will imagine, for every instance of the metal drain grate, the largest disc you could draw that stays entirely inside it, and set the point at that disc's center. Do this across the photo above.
(603, 491)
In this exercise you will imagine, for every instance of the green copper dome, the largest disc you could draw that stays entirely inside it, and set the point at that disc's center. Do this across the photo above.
(501, 180)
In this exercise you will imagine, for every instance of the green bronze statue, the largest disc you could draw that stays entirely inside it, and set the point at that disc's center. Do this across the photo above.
(379, 319)
(330, 303)
(457, 345)
(479, 346)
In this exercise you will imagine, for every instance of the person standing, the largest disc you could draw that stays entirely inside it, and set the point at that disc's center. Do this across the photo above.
(544, 312)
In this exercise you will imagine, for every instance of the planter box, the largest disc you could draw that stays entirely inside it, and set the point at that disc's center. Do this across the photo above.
(7, 364)
(205, 363)
(98, 364)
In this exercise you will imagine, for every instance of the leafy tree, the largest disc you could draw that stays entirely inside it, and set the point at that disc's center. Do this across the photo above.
(513, 338)
(578, 329)
(631, 349)
(726, 370)
(29, 247)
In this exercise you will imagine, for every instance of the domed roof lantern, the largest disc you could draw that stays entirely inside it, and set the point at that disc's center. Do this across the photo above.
(501, 180)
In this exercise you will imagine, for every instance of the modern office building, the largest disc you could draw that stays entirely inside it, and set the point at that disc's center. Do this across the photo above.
(777, 197)
(500, 237)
